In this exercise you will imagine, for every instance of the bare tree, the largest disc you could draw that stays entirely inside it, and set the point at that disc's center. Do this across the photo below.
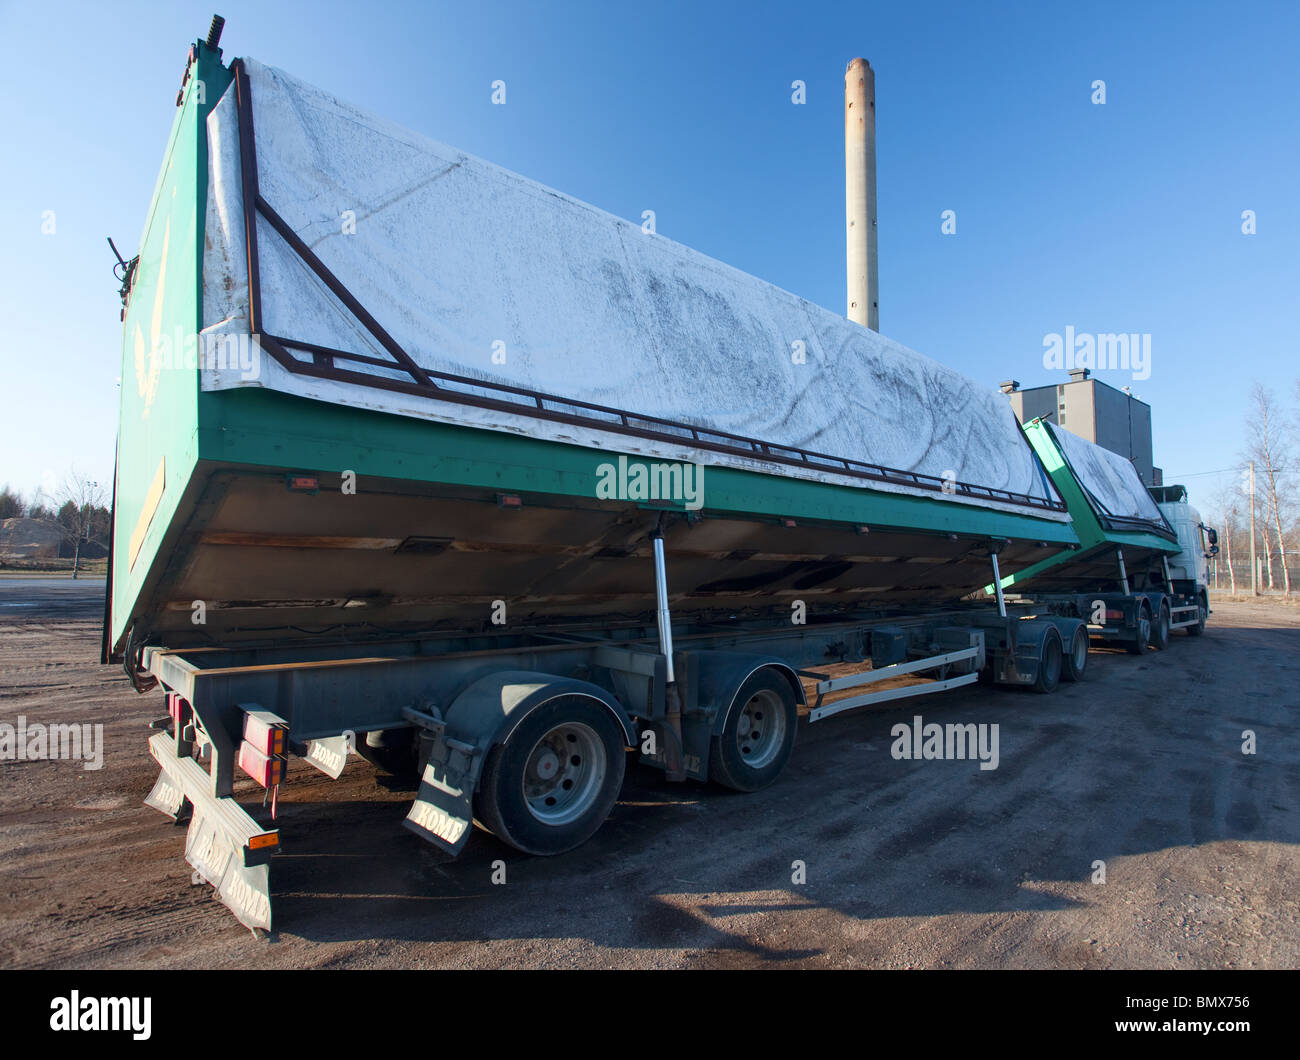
(1267, 446)
(81, 501)
(1228, 502)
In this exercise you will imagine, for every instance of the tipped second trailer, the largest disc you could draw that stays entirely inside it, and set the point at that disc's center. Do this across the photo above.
(483, 482)
(1139, 573)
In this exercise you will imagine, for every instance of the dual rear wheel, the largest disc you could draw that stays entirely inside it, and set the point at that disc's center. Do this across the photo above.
(550, 785)
(1075, 663)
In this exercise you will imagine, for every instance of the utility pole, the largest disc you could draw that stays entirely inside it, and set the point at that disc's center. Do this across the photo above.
(1254, 567)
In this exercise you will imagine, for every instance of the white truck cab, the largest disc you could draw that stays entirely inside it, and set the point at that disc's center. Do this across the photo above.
(1188, 569)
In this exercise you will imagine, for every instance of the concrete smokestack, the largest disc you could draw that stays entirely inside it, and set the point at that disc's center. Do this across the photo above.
(860, 192)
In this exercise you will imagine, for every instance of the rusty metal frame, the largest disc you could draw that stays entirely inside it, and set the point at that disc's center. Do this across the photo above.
(442, 386)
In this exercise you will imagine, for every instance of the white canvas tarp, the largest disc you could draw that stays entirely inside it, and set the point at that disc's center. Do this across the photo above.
(1112, 480)
(459, 260)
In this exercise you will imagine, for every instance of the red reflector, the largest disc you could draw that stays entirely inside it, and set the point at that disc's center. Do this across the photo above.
(1115, 614)
(788, 522)
(177, 708)
(510, 500)
(266, 770)
(304, 484)
(265, 733)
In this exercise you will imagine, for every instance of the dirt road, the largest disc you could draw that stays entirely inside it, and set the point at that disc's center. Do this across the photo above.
(907, 863)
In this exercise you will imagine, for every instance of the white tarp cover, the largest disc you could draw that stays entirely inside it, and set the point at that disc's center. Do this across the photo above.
(1112, 480)
(457, 258)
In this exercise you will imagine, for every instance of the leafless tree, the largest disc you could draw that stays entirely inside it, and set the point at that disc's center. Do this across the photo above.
(80, 500)
(1267, 446)
(1228, 503)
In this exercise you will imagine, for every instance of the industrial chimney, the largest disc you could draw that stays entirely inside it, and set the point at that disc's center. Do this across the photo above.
(860, 192)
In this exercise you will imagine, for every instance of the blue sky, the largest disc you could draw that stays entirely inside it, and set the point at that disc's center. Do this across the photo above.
(1123, 217)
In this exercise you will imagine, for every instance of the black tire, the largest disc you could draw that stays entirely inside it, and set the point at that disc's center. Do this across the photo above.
(748, 761)
(1139, 645)
(564, 762)
(1160, 631)
(393, 751)
(1075, 662)
(1051, 660)
(1202, 613)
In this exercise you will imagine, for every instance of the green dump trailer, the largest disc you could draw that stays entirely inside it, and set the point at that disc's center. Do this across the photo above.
(420, 460)
(1138, 575)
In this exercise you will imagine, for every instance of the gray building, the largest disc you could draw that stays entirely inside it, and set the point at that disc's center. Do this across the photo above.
(1111, 418)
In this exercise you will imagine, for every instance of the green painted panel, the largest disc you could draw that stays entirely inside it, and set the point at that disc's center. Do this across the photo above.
(1092, 535)
(158, 411)
(262, 427)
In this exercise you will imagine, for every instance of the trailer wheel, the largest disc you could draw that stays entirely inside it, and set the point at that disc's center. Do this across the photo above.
(1202, 613)
(1142, 642)
(1076, 659)
(757, 739)
(1050, 662)
(551, 785)
(1160, 631)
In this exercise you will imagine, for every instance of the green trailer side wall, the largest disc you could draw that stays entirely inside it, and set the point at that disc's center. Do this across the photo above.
(1093, 537)
(263, 427)
(158, 414)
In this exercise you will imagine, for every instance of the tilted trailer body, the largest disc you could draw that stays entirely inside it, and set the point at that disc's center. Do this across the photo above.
(1139, 572)
(463, 473)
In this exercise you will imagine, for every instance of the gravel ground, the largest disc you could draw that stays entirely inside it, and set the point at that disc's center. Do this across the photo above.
(932, 864)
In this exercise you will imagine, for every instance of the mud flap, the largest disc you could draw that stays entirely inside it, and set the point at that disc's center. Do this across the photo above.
(329, 755)
(226, 847)
(167, 797)
(443, 811)
(245, 891)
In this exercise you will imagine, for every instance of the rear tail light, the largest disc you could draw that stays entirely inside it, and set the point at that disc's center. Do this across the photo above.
(265, 744)
(177, 709)
(266, 733)
(265, 769)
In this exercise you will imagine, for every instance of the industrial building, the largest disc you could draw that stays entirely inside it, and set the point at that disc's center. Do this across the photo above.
(1096, 411)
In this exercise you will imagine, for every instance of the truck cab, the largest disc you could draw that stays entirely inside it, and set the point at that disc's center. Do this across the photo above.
(1199, 543)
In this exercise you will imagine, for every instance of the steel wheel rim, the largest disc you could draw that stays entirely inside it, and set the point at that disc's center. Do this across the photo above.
(564, 773)
(760, 732)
